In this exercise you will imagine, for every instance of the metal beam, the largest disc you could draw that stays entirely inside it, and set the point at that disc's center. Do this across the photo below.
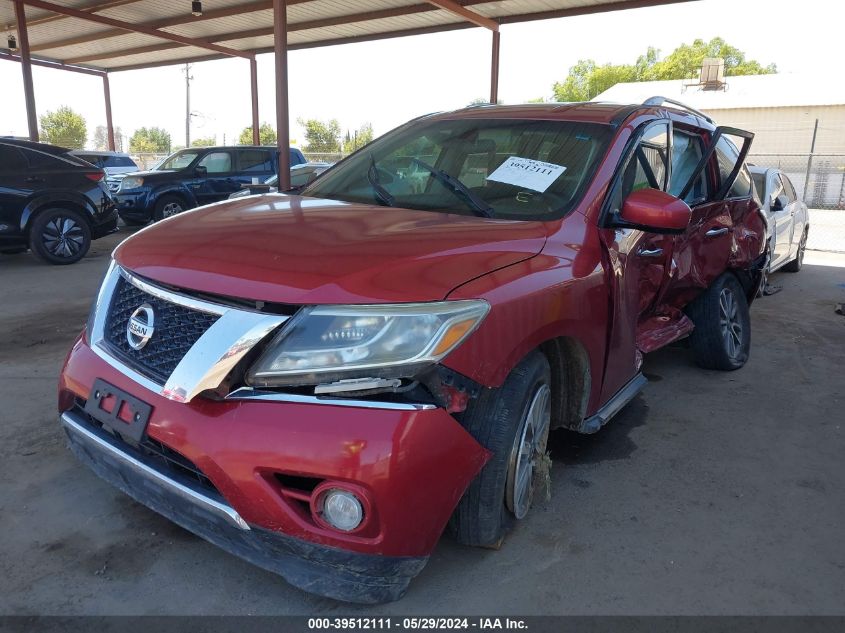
(455, 26)
(264, 31)
(99, 6)
(107, 99)
(26, 70)
(466, 14)
(280, 24)
(253, 85)
(494, 69)
(135, 28)
(49, 63)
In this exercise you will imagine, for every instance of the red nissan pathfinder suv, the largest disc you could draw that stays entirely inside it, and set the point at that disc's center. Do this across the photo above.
(322, 383)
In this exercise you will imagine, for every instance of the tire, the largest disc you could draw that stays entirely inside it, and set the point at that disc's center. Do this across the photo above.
(60, 236)
(167, 206)
(503, 421)
(722, 335)
(795, 265)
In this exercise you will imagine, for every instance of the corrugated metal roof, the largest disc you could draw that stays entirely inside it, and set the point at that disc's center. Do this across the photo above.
(247, 25)
(747, 91)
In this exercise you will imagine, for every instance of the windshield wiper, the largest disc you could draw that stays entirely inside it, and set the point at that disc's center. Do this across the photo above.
(383, 196)
(459, 189)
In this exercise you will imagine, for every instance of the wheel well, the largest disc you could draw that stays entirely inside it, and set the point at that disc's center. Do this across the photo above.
(571, 380)
(173, 194)
(64, 204)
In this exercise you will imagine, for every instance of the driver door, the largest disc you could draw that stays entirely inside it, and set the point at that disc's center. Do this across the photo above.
(637, 258)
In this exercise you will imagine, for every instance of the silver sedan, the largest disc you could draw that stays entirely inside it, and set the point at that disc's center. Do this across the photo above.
(789, 220)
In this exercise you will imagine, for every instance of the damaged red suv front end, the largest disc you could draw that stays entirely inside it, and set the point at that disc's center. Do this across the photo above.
(320, 383)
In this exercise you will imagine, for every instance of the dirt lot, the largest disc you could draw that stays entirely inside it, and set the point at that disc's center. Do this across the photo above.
(712, 493)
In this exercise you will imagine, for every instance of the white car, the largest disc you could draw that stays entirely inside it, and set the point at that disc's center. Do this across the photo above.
(115, 164)
(789, 220)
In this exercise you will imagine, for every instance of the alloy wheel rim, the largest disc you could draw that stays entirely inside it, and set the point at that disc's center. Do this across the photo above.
(63, 237)
(801, 248)
(530, 444)
(729, 322)
(171, 209)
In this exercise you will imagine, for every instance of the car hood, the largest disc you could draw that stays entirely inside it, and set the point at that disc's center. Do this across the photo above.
(298, 250)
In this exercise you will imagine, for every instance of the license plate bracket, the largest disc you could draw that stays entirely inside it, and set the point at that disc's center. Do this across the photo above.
(128, 415)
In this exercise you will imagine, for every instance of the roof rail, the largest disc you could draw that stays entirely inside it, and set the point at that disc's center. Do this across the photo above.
(659, 101)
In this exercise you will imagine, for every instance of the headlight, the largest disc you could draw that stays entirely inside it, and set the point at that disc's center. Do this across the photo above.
(328, 343)
(131, 182)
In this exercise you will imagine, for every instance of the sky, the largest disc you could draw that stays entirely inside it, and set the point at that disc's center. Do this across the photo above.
(386, 83)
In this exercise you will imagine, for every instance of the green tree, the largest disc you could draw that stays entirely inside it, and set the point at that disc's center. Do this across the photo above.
(321, 136)
(357, 139)
(586, 79)
(152, 140)
(204, 142)
(64, 127)
(266, 135)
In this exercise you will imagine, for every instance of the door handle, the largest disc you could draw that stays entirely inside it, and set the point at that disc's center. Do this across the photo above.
(716, 232)
(34, 179)
(650, 252)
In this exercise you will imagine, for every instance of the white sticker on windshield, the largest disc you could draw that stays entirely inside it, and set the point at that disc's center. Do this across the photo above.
(525, 172)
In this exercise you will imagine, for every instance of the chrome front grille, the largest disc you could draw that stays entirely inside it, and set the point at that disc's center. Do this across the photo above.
(177, 329)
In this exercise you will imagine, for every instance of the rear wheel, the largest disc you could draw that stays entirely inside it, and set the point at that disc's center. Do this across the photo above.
(795, 265)
(513, 423)
(167, 207)
(60, 236)
(722, 335)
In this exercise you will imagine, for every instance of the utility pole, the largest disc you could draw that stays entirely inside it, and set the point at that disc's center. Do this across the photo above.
(188, 79)
(810, 164)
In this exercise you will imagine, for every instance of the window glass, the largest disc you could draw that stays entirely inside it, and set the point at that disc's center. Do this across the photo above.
(255, 161)
(469, 151)
(777, 188)
(687, 150)
(727, 156)
(788, 188)
(40, 160)
(11, 159)
(759, 179)
(217, 162)
(179, 160)
(645, 167)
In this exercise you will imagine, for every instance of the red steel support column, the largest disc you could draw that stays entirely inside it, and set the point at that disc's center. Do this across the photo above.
(280, 32)
(26, 69)
(107, 99)
(494, 70)
(253, 82)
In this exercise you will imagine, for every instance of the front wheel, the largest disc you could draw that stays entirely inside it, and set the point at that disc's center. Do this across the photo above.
(722, 335)
(60, 236)
(167, 207)
(513, 423)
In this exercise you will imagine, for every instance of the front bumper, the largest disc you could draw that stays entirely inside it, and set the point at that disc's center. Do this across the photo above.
(134, 206)
(413, 465)
(326, 571)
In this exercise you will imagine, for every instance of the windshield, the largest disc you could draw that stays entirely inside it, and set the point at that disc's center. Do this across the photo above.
(179, 160)
(525, 170)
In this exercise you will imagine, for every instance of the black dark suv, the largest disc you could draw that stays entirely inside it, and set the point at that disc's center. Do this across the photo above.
(51, 201)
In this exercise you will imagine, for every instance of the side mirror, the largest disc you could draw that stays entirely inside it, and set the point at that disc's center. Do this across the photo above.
(200, 171)
(779, 203)
(655, 211)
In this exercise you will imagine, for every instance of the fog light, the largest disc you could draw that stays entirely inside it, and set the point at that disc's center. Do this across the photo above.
(342, 510)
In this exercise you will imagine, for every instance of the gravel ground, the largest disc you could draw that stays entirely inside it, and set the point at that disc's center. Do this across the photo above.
(711, 493)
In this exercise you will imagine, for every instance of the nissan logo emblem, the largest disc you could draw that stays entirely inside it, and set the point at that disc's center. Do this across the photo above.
(140, 328)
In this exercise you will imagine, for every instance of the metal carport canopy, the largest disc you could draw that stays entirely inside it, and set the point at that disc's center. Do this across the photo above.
(112, 35)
